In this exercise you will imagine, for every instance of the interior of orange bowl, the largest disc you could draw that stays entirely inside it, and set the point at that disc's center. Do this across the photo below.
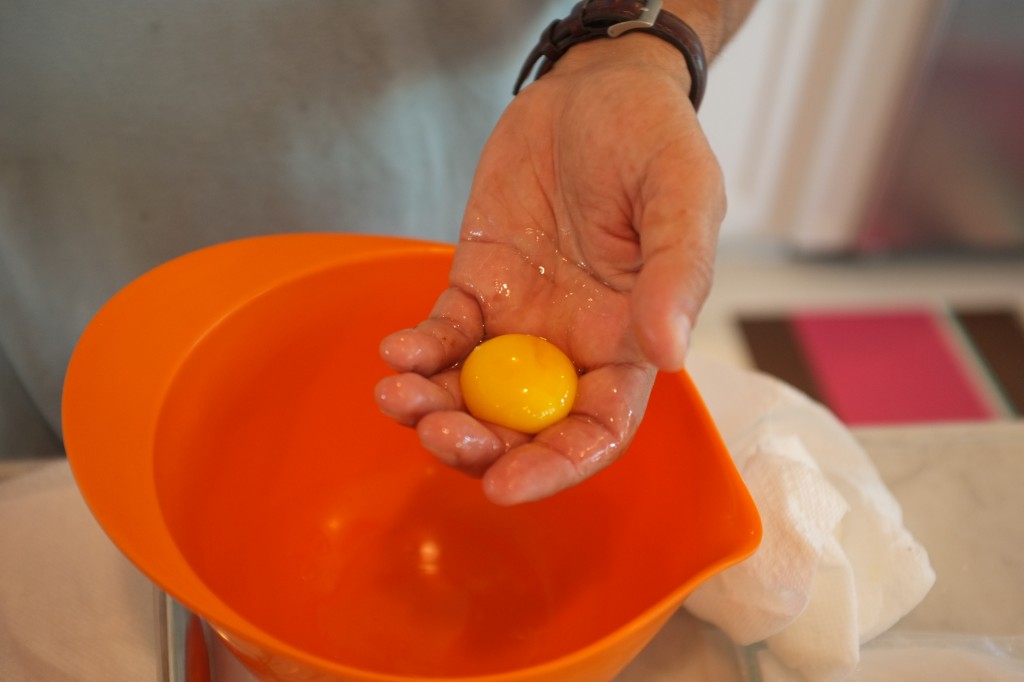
(309, 522)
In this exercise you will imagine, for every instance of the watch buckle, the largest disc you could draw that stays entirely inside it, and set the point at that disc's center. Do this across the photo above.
(645, 20)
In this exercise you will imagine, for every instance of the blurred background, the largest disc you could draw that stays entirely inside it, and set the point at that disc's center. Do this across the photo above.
(874, 249)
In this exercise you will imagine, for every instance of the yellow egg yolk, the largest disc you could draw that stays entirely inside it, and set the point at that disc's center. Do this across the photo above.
(520, 381)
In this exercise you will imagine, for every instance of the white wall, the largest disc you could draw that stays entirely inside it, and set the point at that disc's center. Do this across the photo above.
(799, 107)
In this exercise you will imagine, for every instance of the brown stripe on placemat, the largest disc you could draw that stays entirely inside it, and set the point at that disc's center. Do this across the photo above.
(998, 337)
(775, 350)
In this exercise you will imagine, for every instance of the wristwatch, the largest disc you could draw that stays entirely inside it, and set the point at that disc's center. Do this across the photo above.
(592, 19)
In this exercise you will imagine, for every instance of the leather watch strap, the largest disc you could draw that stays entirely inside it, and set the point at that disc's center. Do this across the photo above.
(592, 19)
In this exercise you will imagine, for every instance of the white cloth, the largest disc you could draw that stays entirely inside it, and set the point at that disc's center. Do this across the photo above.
(836, 566)
(72, 608)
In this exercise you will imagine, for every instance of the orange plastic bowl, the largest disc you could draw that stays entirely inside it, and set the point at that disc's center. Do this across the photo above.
(219, 421)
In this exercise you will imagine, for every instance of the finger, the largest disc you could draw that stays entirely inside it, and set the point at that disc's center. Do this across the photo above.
(609, 407)
(454, 327)
(677, 240)
(409, 397)
(464, 443)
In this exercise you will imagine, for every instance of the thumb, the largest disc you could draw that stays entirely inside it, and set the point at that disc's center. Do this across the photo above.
(678, 251)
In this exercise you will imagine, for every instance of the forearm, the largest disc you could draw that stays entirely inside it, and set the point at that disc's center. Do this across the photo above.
(715, 21)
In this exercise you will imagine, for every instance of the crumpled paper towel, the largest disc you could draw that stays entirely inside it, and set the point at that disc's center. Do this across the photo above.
(836, 567)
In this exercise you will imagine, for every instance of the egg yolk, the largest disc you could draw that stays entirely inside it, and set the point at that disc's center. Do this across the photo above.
(520, 381)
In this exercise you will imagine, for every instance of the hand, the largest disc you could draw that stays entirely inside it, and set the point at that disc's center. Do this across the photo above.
(592, 222)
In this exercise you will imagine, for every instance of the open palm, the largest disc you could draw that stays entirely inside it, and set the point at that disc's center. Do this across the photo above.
(591, 223)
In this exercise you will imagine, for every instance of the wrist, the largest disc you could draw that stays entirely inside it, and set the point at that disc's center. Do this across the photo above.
(629, 51)
(607, 22)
